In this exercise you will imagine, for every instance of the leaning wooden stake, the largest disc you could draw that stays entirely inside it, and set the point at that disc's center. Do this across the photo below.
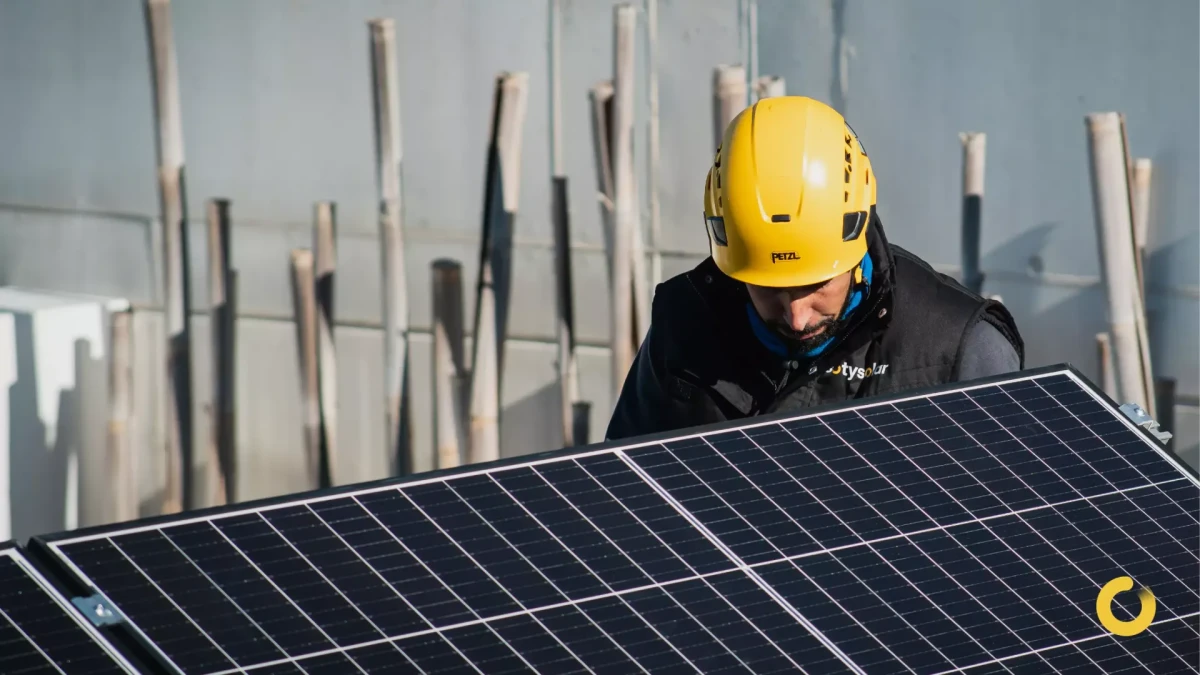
(501, 192)
(568, 365)
(324, 266)
(180, 494)
(389, 158)
(305, 307)
(122, 457)
(974, 153)
(449, 416)
(1110, 195)
(729, 98)
(222, 456)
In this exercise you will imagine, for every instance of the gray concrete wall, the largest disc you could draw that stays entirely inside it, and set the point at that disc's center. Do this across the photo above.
(277, 115)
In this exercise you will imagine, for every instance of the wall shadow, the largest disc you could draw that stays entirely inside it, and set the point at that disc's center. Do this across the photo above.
(33, 466)
(524, 425)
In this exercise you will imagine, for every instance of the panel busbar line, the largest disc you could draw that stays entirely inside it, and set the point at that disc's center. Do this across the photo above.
(40, 632)
(960, 530)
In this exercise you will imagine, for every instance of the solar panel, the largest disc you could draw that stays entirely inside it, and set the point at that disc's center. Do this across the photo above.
(967, 530)
(40, 632)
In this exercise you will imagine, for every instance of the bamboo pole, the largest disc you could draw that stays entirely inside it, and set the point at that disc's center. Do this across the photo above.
(974, 161)
(388, 174)
(450, 429)
(501, 192)
(305, 306)
(1110, 196)
(222, 456)
(568, 364)
(654, 143)
(729, 98)
(621, 151)
(324, 267)
(770, 86)
(624, 79)
(177, 297)
(122, 458)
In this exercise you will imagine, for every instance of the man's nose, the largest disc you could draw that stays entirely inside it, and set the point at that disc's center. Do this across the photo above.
(799, 313)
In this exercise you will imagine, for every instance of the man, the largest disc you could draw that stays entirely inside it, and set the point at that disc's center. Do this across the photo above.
(802, 301)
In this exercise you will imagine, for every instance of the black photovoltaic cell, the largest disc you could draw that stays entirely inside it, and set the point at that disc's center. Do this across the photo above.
(39, 633)
(963, 531)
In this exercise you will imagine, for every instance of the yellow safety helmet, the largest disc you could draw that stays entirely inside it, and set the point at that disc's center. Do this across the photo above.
(789, 195)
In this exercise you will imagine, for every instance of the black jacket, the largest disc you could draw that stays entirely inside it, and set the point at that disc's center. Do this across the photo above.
(700, 362)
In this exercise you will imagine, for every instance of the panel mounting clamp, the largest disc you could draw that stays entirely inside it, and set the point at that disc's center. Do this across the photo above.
(98, 610)
(1139, 417)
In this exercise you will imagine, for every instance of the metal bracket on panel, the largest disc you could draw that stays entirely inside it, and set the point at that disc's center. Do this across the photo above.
(98, 610)
(1139, 417)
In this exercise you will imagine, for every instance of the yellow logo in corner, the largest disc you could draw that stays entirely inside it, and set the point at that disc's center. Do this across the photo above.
(1116, 626)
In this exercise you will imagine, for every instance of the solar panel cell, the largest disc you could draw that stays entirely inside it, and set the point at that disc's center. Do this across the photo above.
(39, 633)
(963, 531)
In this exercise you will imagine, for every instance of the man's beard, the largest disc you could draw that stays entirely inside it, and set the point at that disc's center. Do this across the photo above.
(806, 342)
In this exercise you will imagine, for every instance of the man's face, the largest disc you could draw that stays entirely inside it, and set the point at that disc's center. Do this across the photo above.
(805, 316)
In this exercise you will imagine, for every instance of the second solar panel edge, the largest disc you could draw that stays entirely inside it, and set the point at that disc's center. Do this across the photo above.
(65, 579)
(132, 657)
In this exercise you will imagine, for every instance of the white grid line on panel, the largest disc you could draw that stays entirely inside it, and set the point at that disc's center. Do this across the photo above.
(30, 640)
(1038, 571)
(1072, 643)
(498, 584)
(577, 559)
(1076, 490)
(979, 520)
(44, 584)
(664, 544)
(787, 606)
(166, 535)
(382, 634)
(1066, 482)
(748, 569)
